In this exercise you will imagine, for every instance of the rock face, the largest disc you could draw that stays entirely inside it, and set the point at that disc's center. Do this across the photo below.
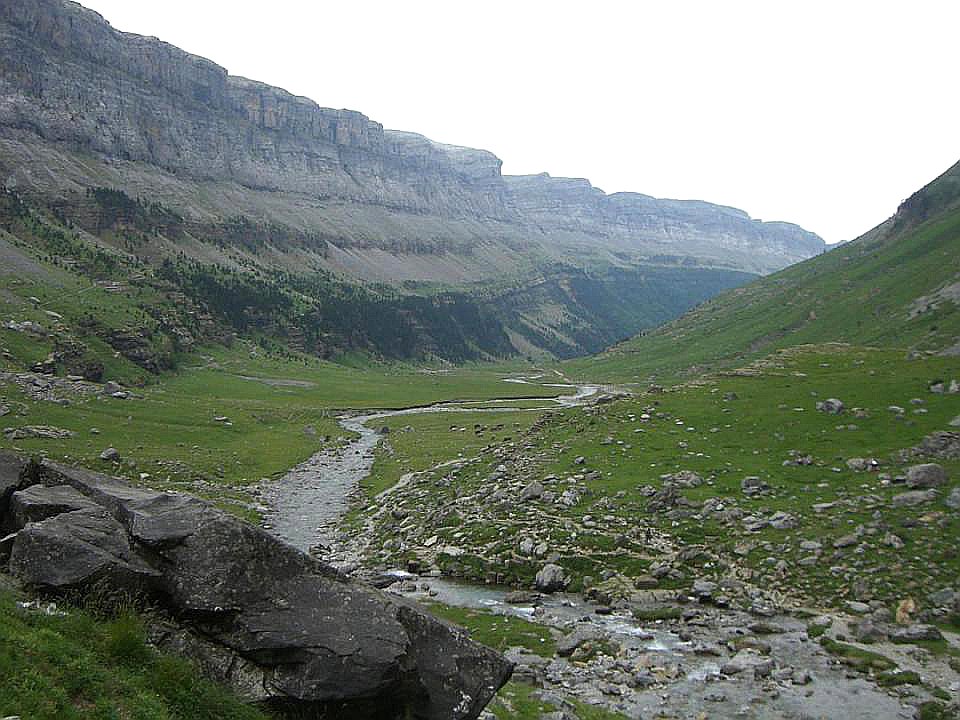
(283, 629)
(70, 83)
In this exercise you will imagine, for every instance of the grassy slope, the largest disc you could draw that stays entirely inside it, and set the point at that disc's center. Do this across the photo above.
(862, 293)
(694, 428)
(79, 666)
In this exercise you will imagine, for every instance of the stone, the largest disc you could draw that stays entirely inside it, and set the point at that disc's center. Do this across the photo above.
(915, 633)
(955, 422)
(858, 464)
(831, 406)
(953, 499)
(753, 485)
(927, 475)
(111, 454)
(37, 503)
(748, 661)
(913, 498)
(551, 578)
(569, 643)
(278, 626)
(533, 491)
(703, 590)
(845, 541)
(783, 521)
(645, 582)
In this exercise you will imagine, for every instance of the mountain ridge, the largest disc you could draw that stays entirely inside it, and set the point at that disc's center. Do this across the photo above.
(156, 104)
(163, 155)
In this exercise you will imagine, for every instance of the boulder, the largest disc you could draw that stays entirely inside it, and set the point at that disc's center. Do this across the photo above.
(532, 491)
(551, 578)
(567, 644)
(748, 661)
(37, 503)
(280, 627)
(913, 497)
(927, 475)
(703, 590)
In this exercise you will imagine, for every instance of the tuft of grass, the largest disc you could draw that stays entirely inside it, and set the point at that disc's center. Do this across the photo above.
(892, 679)
(654, 614)
(857, 658)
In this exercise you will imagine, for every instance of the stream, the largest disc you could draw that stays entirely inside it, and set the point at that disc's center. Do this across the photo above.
(308, 502)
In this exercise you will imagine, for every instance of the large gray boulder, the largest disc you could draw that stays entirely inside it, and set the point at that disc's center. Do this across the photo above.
(280, 627)
(927, 475)
(550, 578)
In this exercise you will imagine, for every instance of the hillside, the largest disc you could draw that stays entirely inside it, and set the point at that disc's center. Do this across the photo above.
(158, 154)
(896, 286)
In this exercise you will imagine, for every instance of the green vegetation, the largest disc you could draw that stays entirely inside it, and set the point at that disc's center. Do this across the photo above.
(418, 442)
(882, 289)
(499, 631)
(761, 423)
(857, 658)
(517, 701)
(79, 666)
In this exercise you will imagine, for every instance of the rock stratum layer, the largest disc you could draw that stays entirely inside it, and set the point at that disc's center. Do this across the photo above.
(83, 104)
(281, 628)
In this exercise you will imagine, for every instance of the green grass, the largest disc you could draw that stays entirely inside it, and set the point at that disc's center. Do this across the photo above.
(80, 667)
(861, 293)
(772, 421)
(418, 442)
(893, 679)
(655, 614)
(279, 418)
(499, 631)
(516, 701)
(858, 658)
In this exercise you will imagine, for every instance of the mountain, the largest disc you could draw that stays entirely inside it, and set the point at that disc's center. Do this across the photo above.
(241, 174)
(898, 285)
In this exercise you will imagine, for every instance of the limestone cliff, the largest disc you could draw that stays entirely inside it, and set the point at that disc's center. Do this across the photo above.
(262, 178)
(70, 81)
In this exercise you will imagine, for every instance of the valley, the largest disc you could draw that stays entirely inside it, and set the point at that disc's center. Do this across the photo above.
(301, 416)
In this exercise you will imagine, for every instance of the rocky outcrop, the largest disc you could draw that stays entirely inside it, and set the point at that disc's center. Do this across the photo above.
(281, 628)
(70, 84)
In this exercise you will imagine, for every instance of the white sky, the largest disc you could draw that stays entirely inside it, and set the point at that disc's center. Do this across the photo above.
(823, 113)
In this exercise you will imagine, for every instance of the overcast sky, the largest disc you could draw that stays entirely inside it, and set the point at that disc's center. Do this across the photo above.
(826, 114)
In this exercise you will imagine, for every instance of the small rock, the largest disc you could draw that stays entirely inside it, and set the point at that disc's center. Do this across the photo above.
(831, 406)
(703, 590)
(913, 497)
(111, 454)
(753, 485)
(953, 499)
